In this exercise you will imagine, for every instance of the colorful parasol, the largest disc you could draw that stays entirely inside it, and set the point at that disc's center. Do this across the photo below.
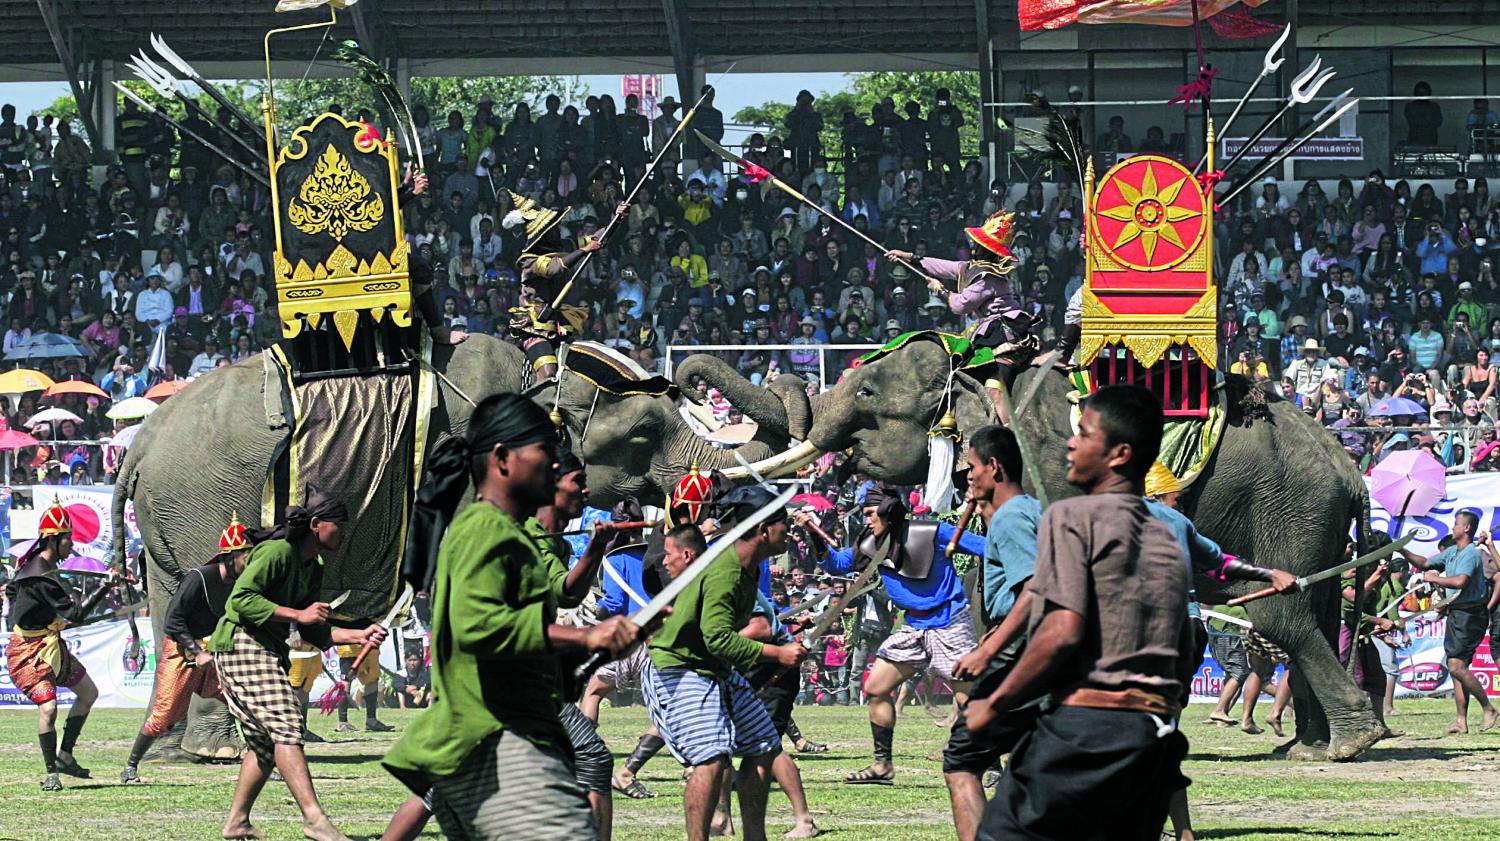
(165, 389)
(816, 502)
(52, 415)
(1409, 483)
(11, 439)
(83, 387)
(132, 407)
(22, 380)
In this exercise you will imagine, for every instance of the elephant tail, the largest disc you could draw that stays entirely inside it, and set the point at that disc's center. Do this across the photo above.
(1366, 539)
(124, 489)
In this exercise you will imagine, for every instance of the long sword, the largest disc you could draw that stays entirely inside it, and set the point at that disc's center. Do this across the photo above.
(674, 588)
(796, 194)
(1332, 572)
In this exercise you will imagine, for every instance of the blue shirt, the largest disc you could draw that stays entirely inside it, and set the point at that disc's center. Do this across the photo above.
(1465, 561)
(1009, 553)
(627, 562)
(764, 607)
(1201, 554)
(940, 592)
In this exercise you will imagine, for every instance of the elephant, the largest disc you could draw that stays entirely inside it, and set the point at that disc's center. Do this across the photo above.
(1278, 491)
(207, 452)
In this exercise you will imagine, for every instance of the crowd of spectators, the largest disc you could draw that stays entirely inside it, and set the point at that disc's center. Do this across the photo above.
(1341, 298)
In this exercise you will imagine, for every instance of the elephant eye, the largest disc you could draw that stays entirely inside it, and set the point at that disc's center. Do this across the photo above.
(864, 391)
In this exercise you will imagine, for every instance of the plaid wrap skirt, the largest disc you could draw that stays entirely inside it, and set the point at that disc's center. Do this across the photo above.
(260, 696)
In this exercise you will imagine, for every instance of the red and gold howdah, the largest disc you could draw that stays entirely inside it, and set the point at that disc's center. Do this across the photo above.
(1149, 298)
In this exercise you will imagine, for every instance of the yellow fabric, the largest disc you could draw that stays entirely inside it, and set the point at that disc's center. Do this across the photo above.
(304, 670)
(52, 650)
(1161, 481)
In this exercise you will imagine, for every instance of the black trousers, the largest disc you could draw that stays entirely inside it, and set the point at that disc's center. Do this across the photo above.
(1087, 775)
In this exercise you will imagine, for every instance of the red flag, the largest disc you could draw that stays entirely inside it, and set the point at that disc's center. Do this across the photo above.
(754, 172)
(1237, 23)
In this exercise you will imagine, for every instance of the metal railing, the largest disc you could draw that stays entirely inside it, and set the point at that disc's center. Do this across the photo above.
(675, 352)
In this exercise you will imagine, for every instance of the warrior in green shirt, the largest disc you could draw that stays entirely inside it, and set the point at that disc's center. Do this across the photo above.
(695, 687)
(279, 589)
(491, 747)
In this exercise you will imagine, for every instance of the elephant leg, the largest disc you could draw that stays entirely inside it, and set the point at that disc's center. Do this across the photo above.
(211, 733)
(1335, 719)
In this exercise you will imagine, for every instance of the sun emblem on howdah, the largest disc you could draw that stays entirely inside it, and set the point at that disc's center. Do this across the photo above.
(1151, 213)
(335, 199)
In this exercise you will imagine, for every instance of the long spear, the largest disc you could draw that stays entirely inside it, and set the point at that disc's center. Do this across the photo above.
(1271, 162)
(760, 173)
(152, 109)
(609, 226)
(163, 82)
(1332, 572)
(187, 70)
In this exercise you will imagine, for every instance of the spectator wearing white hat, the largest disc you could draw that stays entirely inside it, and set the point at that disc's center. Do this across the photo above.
(1306, 374)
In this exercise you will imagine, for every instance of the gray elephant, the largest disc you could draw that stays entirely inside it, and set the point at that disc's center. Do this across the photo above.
(1278, 490)
(206, 454)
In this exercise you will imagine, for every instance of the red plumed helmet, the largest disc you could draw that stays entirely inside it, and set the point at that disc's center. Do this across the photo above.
(234, 538)
(55, 520)
(693, 491)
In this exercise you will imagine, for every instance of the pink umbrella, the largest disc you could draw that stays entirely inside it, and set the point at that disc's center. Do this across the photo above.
(1408, 483)
(816, 502)
(11, 439)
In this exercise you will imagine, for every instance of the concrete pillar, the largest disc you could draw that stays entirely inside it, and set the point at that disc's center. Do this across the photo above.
(106, 106)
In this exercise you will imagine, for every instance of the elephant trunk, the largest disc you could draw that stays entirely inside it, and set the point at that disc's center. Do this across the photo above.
(767, 408)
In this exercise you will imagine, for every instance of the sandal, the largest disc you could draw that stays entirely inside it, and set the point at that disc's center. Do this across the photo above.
(52, 783)
(870, 777)
(635, 791)
(809, 746)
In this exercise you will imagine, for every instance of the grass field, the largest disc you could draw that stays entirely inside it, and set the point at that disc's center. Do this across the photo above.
(1422, 786)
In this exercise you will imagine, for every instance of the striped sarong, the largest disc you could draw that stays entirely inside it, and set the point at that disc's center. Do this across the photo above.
(176, 682)
(593, 764)
(260, 695)
(510, 788)
(703, 718)
(626, 672)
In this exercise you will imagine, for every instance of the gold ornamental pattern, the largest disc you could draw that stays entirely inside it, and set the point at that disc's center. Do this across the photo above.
(335, 199)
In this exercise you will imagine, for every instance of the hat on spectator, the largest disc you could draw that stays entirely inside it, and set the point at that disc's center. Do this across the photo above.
(1299, 321)
(899, 272)
(1043, 267)
(893, 324)
(1361, 351)
(759, 269)
(1398, 438)
(1269, 179)
(808, 321)
(180, 312)
(1442, 406)
(936, 302)
(899, 290)
(1465, 285)
(1259, 293)
(1311, 344)
(748, 291)
(785, 212)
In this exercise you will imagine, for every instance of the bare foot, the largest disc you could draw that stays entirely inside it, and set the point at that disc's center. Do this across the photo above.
(804, 829)
(1275, 725)
(1458, 728)
(323, 830)
(1490, 714)
(1249, 727)
(1220, 719)
(242, 829)
(722, 825)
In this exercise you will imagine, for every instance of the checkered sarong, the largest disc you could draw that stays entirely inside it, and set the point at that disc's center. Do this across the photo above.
(1260, 646)
(937, 650)
(260, 695)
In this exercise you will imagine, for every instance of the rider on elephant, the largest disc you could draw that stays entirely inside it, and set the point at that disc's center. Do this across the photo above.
(184, 666)
(985, 292)
(546, 266)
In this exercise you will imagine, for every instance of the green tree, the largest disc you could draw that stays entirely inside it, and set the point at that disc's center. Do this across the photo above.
(866, 90)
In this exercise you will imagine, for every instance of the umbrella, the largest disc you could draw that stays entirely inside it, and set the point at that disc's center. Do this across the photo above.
(23, 380)
(1408, 483)
(53, 415)
(132, 407)
(816, 502)
(48, 346)
(83, 387)
(1392, 406)
(79, 563)
(165, 389)
(125, 437)
(11, 439)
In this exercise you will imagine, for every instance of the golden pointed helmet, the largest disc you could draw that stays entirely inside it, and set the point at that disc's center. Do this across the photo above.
(1160, 480)
(235, 537)
(539, 220)
(995, 234)
(55, 520)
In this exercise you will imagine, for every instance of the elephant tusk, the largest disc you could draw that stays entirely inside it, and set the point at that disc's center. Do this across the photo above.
(778, 465)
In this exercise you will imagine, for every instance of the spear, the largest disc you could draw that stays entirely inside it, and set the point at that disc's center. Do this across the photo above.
(603, 235)
(152, 109)
(163, 82)
(760, 173)
(187, 70)
(1332, 572)
(1269, 65)
(1271, 162)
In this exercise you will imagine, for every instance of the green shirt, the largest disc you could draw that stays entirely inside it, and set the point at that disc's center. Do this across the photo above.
(557, 564)
(492, 668)
(274, 577)
(703, 632)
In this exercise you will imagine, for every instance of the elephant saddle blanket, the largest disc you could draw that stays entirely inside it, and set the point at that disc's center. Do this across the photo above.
(1187, 443)
(361, 439)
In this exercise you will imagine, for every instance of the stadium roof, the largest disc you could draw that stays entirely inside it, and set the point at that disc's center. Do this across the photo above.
(564, 32)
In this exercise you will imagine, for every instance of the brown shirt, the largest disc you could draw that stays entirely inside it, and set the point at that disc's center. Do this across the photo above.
(1107, 559)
